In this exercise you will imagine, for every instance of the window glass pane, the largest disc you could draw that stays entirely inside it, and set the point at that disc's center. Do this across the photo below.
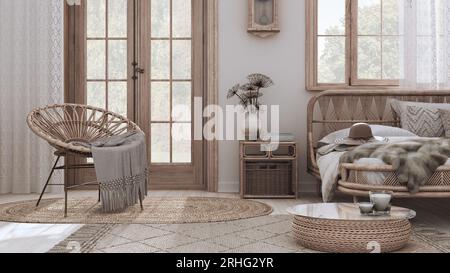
(96, 60)
(182, 60)
(117, 18)
(160, 101)
(160, 17)
(391, 58)
(167, 92)
(160, 143)
(117, 63)
(117, 98)
(331, 60)
(96, 94)
(369, 17)
(391, 16)
(181, 143)
(369, 58)
(182, 100)
(331, 17)
(160, 60)
(263, 12)
(182, 18)
(96, 18)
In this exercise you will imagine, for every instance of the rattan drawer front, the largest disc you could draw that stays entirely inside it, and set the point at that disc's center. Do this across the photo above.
(263, 179)
(255, 151)
(287, 151)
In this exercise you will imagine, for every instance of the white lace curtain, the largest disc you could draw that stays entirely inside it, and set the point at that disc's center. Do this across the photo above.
(31, 75)
(426, 46)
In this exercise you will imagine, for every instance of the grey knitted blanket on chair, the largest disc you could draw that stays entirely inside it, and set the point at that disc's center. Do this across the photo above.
(122, 170)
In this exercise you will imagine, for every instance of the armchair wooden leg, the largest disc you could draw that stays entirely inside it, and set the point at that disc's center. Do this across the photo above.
(48, 181)
(65, 202)
(66, 168)
(140, 200)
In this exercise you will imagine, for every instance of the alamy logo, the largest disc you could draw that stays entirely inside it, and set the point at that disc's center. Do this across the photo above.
(374, 247)
(74, 247)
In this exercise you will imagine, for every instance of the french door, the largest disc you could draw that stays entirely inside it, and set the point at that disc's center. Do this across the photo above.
(144, 59)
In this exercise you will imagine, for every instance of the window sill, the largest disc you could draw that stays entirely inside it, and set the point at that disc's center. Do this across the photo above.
(319, 88)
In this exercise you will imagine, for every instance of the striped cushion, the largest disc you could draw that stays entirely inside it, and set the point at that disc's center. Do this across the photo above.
(421, 118)
(424, 122)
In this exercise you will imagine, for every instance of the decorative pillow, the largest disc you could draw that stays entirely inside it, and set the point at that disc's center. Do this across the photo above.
(427, 112)
(445, 116)
(377, 130)
(424, 122)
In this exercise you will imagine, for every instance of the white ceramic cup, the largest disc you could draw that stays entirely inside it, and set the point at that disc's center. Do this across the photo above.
(381, 201)
(366, 208)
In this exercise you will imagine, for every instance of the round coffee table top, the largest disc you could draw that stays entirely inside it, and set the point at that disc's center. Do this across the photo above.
(346, 212)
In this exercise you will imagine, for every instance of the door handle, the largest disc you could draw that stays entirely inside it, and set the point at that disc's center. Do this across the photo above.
(139, 70)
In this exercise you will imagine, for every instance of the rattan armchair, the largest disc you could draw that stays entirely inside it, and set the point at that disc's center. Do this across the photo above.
(65, 126)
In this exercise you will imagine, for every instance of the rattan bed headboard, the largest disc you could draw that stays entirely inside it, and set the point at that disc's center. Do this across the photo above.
(330, 111)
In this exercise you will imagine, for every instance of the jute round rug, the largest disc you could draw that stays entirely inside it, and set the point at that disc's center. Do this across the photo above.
(157, 210)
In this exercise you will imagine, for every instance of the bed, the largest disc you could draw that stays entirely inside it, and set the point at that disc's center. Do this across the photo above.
(331, 111)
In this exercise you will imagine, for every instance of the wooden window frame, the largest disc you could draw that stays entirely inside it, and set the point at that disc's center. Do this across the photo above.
(173, 175)
(74, 71)
(195, 79)
(351, 52)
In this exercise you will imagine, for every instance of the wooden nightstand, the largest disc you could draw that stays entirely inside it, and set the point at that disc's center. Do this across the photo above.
(267, 171)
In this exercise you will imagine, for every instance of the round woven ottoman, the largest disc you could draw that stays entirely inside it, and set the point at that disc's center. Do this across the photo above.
(340, 228)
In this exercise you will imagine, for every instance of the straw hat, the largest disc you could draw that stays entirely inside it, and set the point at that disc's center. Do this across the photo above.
(359, 134)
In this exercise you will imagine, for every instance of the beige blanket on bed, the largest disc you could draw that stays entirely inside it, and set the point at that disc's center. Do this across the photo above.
(415, 161)
(328, 162)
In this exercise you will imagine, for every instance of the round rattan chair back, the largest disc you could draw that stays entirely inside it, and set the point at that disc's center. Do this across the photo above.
(65, 124)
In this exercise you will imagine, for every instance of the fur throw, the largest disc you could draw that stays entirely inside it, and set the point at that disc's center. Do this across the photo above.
(415, 161)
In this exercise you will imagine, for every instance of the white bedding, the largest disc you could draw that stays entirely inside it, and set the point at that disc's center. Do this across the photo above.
(329, 169)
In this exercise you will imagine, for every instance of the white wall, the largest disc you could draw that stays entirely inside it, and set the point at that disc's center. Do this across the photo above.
(281, 57)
